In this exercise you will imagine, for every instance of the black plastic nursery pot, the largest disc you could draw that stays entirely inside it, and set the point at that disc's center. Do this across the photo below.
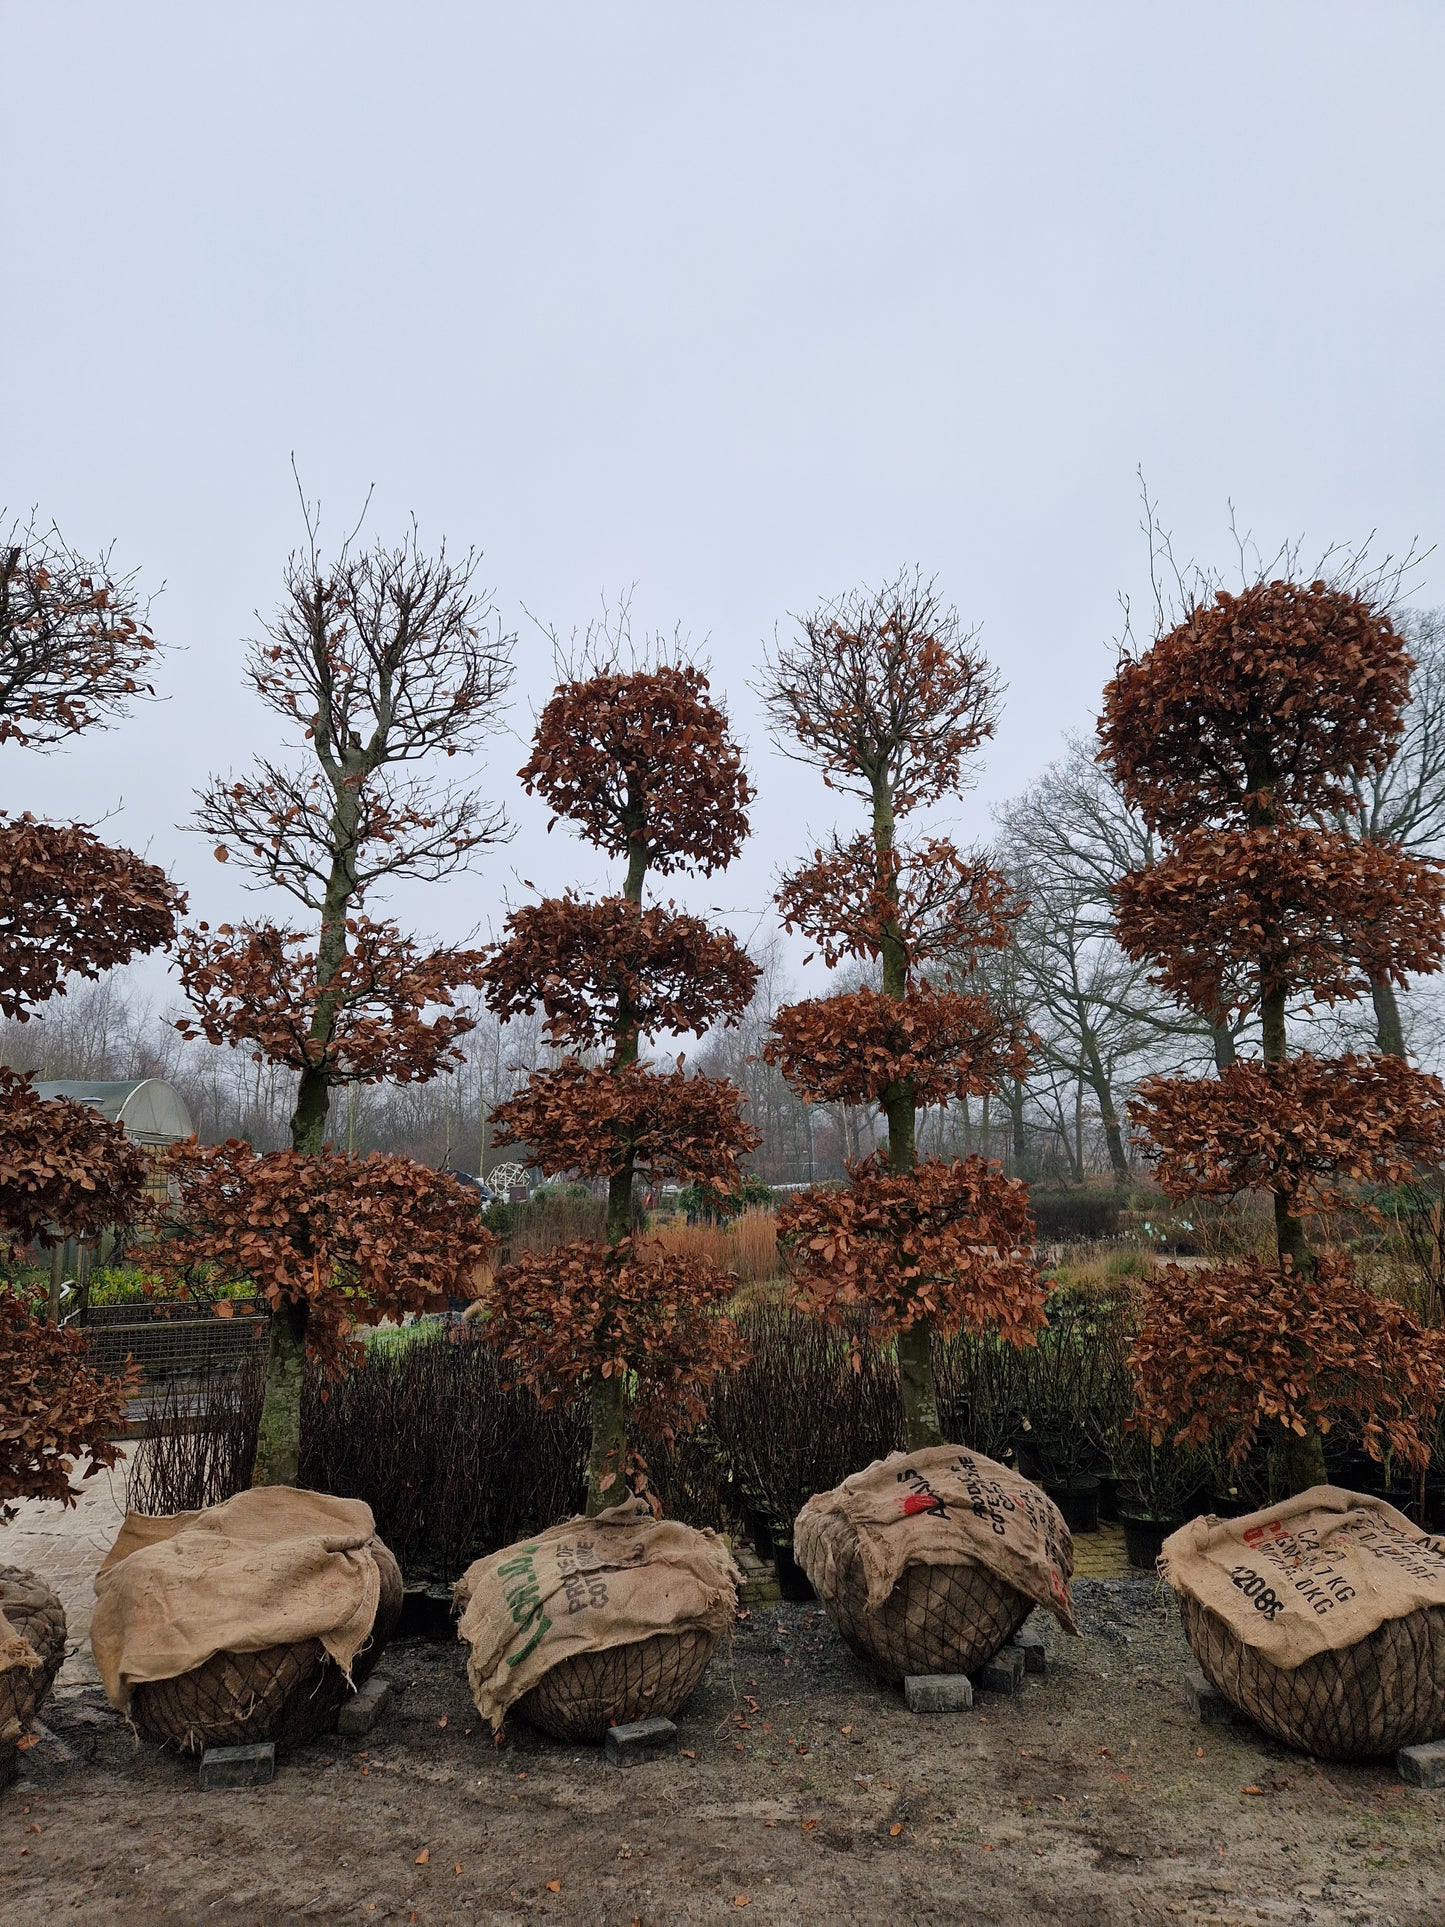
(1144, 1537)
(759, 1530)
(793, 1583)
(1108, 1498)
(1078, 1502)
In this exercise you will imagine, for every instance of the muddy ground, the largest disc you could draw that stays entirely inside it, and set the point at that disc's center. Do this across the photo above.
(805, 1792)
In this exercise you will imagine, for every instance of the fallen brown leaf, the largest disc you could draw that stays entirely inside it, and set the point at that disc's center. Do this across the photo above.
(423, 1857)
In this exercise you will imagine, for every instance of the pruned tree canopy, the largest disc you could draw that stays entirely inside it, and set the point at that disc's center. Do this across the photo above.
(387, 1010)
(951, 1244)
(65, 1171)
(601, 1120)
(940, 901)
(75, 645)
(54, 1409)
(1224, 1352)
(1299, 1126)
(1283, 689)
(856, 1046)
(595, 965)
(642, 762)
(71, 905)
(353, 1239)
(883, 686)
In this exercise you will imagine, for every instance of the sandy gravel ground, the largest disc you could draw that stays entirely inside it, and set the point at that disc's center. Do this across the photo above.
(805, 1793)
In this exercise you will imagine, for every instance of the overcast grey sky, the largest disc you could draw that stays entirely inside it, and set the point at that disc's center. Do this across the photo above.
(746, 304)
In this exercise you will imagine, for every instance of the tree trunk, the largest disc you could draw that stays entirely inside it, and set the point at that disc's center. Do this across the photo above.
(920, 1399)
(607, 1454)
(1389, 1030)
(278, 1442)
(1103, 1093)
(1222, 1039)
(1304, 1455)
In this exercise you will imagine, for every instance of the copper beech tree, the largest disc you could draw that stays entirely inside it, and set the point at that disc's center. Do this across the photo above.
(886, 694)
(381, 662)
(1241, 736)
(642, 761)
(74, 650)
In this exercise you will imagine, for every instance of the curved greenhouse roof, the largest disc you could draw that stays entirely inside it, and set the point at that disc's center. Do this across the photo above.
(148, 1109)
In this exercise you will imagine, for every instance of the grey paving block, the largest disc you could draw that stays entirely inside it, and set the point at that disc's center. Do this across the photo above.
(639, 1740)
(1030, 1642)
(938, 1692)
(365, 1707)
(1422, 1765)
(1004, 1673)
(1206, 1702)
(237, 1766)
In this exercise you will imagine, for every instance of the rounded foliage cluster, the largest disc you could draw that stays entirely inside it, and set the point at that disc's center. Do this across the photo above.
(596, 965)
(65, 1171)
(952, 1243)
(1225, 1351)
(600, 1119)
(643, 763)
(1283, 688)
(355, 1239)
(939, 900)
(854, 1048)
(72, 905)
(258, 985)
(652, 1319)
(1294, 1126)
(1232, 915)
(53, 1408)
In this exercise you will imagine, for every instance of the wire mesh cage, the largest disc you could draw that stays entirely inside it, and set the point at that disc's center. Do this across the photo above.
(37, 1615)
(286, 1694)
(937, 1619)
(642, 1680)
(1385, 1692)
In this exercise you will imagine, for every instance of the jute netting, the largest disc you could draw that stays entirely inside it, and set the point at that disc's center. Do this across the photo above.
(649, 1679)
(286, 1694)
(937, 1619)
(1385, 1692)
(36, 1614)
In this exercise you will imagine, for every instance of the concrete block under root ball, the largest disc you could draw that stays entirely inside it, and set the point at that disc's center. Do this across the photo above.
(237, 1766)
(640, 1740)
(1004, 1673)
(938, 1692)
(1206, 1702)
(365, 1707)
(1422, 1765)
(1030, 1642)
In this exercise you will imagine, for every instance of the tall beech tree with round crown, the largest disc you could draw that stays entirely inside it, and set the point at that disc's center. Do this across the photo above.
(382, 661)
(885, 693)
(1241, 736)
(642, 761)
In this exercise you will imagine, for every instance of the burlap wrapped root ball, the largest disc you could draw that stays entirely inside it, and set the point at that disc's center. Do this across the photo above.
(1322, 1619)
(930, 1561)
(32, 1647)
(595, 1622)
(251, 1621)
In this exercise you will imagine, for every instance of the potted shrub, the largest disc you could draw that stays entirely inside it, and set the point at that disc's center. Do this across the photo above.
(885, 693)
(641, 760)
(1240, 736)
(376, 662)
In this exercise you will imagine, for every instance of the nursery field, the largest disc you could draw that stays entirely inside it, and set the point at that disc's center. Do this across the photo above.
(804, 1791)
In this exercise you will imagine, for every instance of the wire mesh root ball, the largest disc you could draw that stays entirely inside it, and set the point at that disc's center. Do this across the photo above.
(287, 1694)
(937, 1619)
(644, 1680)
(36, 1614)
(1385, 1692)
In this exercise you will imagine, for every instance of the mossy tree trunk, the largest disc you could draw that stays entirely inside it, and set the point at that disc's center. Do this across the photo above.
(278, 1442)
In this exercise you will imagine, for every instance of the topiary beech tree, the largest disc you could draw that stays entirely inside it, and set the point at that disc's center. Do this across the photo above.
(886, 694)
(1240, 736)
(380, 661)
(74, 651)
(642, 761)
